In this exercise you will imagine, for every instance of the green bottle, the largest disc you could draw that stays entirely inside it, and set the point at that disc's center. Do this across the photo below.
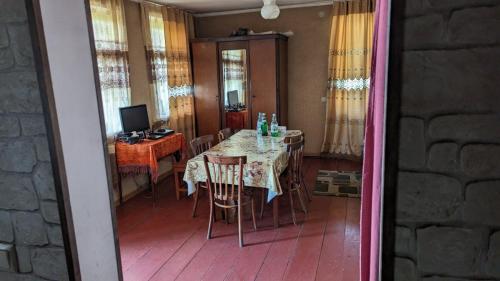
(274, 126)
(264, 126)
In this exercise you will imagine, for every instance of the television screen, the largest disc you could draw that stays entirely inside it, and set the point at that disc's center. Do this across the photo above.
(134, 118)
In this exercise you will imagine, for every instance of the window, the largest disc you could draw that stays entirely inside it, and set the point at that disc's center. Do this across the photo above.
(158, 60)
(110, 38)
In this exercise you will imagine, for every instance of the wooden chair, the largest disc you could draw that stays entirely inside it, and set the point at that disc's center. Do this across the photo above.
(226, 189)
(179, 168)
(198, 146)
(288, 140)
(293, 139)
(293, 178)
(224, 134)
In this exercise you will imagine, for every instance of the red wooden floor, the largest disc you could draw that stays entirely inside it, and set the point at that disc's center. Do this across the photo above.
(165, 243)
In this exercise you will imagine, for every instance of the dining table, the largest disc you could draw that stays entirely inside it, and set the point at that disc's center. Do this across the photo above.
(267, 159)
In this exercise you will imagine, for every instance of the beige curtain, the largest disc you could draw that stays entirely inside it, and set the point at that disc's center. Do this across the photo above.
(166, 34)
(349, 78)
(110, 38)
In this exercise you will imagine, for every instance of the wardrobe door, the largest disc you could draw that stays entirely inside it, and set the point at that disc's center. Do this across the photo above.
(206, 88)
(263, 78)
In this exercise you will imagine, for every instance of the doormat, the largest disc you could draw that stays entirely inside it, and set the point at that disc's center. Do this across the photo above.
(338, 183)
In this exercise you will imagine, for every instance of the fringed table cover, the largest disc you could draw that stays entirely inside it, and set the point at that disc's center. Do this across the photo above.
(142, 158)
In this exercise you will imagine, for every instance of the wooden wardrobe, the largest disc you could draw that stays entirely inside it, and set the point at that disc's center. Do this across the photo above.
(261, 85)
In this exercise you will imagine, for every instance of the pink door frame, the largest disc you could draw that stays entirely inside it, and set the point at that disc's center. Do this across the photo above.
(373, 164)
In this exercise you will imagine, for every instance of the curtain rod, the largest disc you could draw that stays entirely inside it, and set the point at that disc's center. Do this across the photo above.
(161, 5)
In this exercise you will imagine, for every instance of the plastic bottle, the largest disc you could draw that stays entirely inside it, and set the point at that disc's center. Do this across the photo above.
(274, 126)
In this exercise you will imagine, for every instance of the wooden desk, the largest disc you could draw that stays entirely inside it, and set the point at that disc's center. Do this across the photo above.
(142, 158)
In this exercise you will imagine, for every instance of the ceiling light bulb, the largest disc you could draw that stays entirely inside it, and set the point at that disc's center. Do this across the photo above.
(270, 10)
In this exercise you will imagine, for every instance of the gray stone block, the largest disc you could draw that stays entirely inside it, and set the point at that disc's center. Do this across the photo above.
(449, 251)
(426, 198)
(12, 11)
(481, 160)
(55, 235)
(49, 263)
(20, 43)
(404, 242)
(466, 128)
(7, 258)
(6, 59)
(424, 32)
(475, 26)
(437, 278)
(4, 36)
(482, 204)
(405, 270)
(29, 229)
(443, 157)
(493, 263)
(33, 125)
(50, 211)
(42, 148)
(17, 156)
(447, 5)
(44, 181)
(24, 259)
(9, 126)
(19, 93)
(10, 276)
(411, 143)
(17, 192)
(414, 7)
(439, 82)
(6, 232)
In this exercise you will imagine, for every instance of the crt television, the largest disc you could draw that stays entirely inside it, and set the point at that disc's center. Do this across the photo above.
(134, 118)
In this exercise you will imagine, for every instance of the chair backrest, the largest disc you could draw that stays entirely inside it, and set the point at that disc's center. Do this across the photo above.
(295, 156)
(201, 144)
(224, 134)
(226, 180)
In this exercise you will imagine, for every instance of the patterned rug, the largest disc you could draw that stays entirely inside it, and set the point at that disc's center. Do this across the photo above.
(338, 183)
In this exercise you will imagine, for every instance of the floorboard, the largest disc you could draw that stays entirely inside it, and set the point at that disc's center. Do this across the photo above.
(166, 243)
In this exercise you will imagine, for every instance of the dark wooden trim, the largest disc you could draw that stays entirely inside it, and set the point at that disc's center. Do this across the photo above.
(35, 23)
(278, 81)
(394, 88)
(104, 140)
(241, 38)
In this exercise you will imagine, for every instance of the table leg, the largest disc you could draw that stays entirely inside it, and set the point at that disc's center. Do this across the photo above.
(276, 216)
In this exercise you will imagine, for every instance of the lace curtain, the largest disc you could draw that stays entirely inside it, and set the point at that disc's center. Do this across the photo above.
(157, 59)
(110, 37)
(234, 72)
(170, 47)
(349, 78)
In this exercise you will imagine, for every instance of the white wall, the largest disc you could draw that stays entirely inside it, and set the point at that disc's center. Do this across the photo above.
(68, 46)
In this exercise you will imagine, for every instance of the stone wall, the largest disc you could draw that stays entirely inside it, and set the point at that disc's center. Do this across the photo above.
(29, 216)
(448, 191)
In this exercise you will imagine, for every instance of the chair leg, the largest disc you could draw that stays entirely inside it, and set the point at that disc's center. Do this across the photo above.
(195, 205)
(177, 185)
(303, 182)
(211, 220)
(299, 193)
(262, 203)
(253, 215)
(291, 205)
(240, 229)
(226, 213)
